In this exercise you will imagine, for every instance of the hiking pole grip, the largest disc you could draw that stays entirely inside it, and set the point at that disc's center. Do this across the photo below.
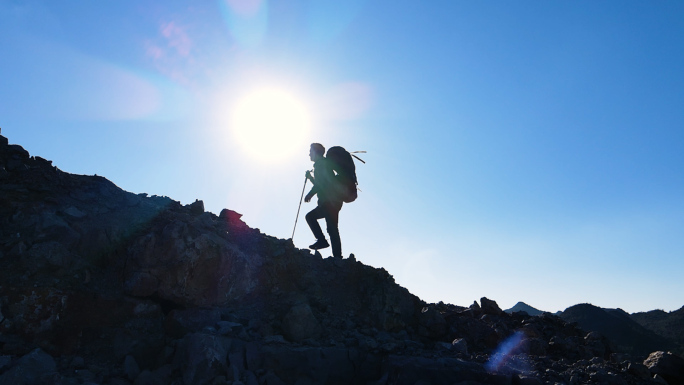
(298, 208)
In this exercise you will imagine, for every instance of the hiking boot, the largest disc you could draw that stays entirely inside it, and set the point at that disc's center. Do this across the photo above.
(320, 244)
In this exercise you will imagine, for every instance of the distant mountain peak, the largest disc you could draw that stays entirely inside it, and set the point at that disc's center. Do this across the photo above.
(522, 306)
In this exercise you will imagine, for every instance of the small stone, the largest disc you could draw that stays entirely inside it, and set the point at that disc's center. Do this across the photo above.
(460, 345)
(74, 212)
(228, 328)
(131, 368)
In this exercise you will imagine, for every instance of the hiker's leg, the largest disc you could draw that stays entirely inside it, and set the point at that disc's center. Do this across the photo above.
(331, 220)
(312, 219)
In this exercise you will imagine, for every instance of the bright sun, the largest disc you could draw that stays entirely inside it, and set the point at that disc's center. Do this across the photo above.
(270, 124)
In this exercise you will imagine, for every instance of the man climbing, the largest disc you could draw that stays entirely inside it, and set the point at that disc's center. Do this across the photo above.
(328, 207)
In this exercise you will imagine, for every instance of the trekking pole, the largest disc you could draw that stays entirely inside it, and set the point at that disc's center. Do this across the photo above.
(298, 208)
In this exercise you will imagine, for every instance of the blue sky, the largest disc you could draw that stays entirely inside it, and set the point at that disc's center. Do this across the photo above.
(523, 151)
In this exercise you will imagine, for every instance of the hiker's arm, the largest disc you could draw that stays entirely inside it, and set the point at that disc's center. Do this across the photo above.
(310, 195)
(314, 190)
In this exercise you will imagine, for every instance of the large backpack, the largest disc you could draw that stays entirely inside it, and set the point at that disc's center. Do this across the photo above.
(344, 187)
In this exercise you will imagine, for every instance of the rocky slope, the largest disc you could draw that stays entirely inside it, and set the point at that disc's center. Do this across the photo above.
(102, 286)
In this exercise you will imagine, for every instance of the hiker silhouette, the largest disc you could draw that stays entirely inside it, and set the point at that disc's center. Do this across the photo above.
(329, 203)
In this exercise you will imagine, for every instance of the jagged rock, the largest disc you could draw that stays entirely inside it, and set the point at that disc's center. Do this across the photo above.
(272, 379)
(186, 263)
(476, 332)
(460, 345)
(197, 207)
(300, 323)
(36, 367)
(639, 370)
(131, 368)
(77, 363)
(182, 321)
(490, 307)
(202, 357)
(5, 362)
(666, 365)
(227, 328)
(535, 346)
(432, 323)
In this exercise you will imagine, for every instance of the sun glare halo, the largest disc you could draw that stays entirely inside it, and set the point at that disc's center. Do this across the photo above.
(270, 124)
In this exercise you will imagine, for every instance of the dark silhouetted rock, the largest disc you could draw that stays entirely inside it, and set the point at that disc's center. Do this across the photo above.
(667, 365)
(490, 307)
(300, 323)
(432, 323)
(131, 368)
(36, 367)
(202, 357)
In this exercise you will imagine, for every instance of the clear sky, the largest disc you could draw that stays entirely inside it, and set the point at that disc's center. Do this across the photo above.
(519, 150)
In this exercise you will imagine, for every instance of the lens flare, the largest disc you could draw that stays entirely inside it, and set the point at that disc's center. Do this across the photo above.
(504, 352)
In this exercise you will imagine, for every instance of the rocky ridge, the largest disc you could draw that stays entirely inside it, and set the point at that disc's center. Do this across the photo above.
(103, 286)
(666, 324)
(619, 327)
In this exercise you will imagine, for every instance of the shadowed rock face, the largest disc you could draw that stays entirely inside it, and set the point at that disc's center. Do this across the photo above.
(100, 285)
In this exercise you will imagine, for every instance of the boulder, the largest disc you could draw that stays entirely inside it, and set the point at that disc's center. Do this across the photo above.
(201, 358)
(432, 323)
(300, 323)
(639, 370)
(667, 365)
(490, 307)
(5, 362)
(191, 265)
(36, 367)
(131, 368)
(460, 346)
(182, 321)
